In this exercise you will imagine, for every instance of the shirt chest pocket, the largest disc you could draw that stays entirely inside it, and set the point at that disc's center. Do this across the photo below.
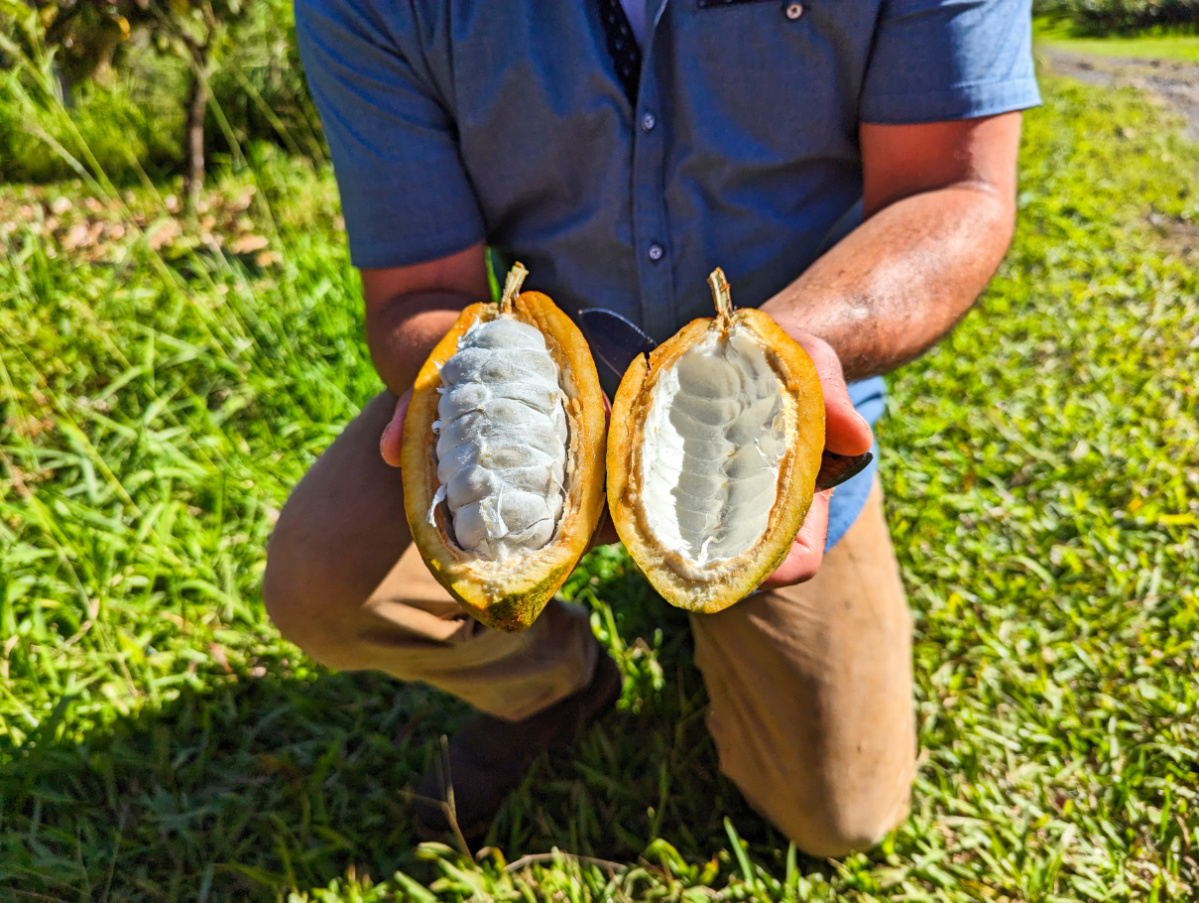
(771, 70)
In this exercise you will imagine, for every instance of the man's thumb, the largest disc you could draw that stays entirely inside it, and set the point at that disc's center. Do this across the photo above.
(391, 443)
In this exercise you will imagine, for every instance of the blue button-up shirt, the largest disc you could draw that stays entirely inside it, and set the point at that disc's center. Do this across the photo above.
(452, 122)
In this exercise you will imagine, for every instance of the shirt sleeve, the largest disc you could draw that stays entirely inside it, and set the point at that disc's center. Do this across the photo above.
(405, 194)
(940, 60)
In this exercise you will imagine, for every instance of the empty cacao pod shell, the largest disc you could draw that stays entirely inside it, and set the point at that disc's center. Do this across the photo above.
(713, 450)
(503, 456)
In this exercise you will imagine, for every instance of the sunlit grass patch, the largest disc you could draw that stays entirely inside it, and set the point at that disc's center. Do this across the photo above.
(1148, 46)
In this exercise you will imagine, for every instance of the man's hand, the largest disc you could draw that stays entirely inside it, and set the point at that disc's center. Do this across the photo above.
(846, 433)
(391, 443)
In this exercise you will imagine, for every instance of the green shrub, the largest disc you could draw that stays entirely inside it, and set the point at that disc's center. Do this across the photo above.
(130, 124)
(258, 87)
(123, 131)
(1106, 16)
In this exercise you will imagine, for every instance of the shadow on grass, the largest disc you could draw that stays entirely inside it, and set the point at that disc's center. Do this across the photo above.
(253, 785)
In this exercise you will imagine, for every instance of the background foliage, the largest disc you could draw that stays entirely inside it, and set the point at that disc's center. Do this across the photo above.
(1098, 17)
(127, 123)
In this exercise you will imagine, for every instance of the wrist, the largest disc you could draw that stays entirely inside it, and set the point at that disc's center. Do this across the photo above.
(402, 334)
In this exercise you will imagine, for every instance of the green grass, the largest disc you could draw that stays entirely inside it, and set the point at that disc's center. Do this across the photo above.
(160, 742)
(1063, 35)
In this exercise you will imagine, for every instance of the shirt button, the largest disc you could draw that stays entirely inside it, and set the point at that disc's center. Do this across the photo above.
(793, 11)
(656, 252)
(648, 121)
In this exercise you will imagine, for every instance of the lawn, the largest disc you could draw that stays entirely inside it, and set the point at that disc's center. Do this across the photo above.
(164, 381)
(1063, 35)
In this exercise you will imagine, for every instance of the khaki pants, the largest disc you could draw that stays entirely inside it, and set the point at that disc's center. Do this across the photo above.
(810, 686)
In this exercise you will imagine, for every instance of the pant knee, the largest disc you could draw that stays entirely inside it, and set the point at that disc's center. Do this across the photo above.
(296, 597)
(835, 828)
(825, 810)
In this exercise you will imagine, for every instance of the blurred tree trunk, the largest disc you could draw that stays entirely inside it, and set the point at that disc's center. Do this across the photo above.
(198, 50)
(193, 153)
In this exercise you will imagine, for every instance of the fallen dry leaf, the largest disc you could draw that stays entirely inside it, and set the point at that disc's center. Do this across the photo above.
(248, 244)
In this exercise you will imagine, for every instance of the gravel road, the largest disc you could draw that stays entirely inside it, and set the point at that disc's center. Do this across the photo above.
(1176, 83)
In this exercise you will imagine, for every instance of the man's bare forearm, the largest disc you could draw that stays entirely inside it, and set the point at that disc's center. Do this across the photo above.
(901, 280)
(402, 332)
(409, 309)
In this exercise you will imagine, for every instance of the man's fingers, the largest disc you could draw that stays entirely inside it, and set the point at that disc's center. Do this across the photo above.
(391, 443)
(846, 432)
(807, 551)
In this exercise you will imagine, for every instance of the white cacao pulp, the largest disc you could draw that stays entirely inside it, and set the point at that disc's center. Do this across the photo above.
(711, 447)
(502, 440)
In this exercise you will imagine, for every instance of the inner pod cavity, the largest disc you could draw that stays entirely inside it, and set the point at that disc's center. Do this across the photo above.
(711, 448)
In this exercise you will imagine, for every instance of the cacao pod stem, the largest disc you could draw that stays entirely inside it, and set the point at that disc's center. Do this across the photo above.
(516, 278)
(723, 298)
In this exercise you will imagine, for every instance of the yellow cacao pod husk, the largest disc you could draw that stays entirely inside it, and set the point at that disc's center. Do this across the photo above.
(503, 456)
(713, 450)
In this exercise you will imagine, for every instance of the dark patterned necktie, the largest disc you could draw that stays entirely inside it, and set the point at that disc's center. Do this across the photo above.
(622, 46)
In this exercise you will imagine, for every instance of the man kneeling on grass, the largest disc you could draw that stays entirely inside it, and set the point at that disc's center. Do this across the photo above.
(851, 165)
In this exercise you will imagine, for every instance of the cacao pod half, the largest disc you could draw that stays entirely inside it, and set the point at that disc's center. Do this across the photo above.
(503, 456)
(713, 451)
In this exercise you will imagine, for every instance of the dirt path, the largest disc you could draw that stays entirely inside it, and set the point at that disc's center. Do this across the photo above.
(1176, 83)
